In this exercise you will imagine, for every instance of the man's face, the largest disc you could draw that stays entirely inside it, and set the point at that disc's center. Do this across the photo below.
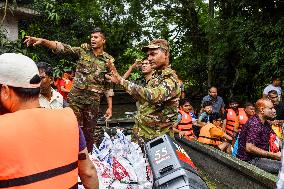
(146, 67)
(46, 81)
(213, 92)
(186, 107)
(276, 82)
(97, 40)
(268, 110)
(250, 110)
(208, 109)
(273, 98)
(157, 58)
(234, 105)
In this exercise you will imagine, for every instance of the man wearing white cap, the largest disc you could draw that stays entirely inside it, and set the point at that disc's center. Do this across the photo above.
(40, 148)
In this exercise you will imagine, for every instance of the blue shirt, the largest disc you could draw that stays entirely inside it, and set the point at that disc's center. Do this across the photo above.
(204, 117)
(82, 141)
(218, 103)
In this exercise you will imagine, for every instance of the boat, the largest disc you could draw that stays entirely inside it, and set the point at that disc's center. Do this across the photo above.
(217, 167)
(227, 171)
(110, 126)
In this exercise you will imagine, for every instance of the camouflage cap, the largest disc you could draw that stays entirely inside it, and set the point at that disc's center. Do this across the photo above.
(157, 43)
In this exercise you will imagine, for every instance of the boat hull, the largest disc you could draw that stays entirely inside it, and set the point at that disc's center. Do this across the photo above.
(226, 170)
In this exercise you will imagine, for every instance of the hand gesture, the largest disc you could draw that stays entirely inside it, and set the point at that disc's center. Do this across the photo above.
(108, 113)
(136, 64)
(85, 46)
(114, 76)
(33, 41)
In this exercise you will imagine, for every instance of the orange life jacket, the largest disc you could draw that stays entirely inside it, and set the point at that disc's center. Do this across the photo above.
(205, 136)
(186, 123)
(232, 118)
(243, 118)
(39, 149)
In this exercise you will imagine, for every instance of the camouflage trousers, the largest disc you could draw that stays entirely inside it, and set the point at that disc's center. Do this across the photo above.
(86, 108)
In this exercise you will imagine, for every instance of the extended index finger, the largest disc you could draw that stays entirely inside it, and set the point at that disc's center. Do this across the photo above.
(27, 38)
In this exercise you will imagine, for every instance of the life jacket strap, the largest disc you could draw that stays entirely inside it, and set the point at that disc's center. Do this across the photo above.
(38, 176)
(215, 139)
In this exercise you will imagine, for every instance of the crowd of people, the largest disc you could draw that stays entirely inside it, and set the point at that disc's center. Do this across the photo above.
(61, 125)
(252, 133)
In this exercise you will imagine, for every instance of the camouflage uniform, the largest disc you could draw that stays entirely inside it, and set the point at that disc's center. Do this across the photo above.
(158, 104)
(88, 88)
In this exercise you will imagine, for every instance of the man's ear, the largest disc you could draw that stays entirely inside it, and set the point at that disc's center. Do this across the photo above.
(51, 80)
(5, 92)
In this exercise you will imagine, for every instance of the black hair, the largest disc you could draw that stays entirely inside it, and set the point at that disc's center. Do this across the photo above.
(275, 77)
(207, 103)
(234, 99)
(98, 30)
(214, 116)
(249, 104)
(212, 86)
(28, 93)
(273, 92)
(183, 101)
(47, 68)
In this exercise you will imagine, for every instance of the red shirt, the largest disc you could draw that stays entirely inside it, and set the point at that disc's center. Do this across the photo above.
(67, 84)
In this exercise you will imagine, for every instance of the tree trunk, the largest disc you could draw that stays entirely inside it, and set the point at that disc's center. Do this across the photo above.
(210, 57)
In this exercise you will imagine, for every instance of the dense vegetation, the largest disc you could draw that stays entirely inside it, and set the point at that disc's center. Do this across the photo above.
(236, 45)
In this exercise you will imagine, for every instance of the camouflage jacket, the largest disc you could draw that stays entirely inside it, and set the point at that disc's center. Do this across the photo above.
(158, 103)
(90, 69)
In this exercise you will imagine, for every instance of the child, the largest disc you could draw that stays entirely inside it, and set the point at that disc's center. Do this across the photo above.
(186, 119)
(213, 135)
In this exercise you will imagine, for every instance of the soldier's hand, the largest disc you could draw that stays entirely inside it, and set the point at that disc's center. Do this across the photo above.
(85, 46)
(136, 64)
(33, 41)
(114, 76)
(111, 66)
(108, 113)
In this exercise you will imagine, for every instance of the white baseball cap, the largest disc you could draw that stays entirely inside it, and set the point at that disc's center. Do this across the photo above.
(17, 70)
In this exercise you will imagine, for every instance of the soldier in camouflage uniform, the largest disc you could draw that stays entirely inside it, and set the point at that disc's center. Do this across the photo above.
(159, 98)
(89, 82)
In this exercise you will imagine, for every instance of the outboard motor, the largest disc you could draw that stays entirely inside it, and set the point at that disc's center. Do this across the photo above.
(171, 166)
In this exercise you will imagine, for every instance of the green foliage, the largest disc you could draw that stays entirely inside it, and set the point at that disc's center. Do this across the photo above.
(243, 43)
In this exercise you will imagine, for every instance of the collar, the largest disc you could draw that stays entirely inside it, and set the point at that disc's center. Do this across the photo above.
(54, 95)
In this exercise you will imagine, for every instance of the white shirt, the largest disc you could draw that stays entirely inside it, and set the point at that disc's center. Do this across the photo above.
(55, 102)
(271, 87)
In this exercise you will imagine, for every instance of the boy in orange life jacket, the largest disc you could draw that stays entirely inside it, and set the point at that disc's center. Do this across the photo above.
(212, 134)
(186, 119)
